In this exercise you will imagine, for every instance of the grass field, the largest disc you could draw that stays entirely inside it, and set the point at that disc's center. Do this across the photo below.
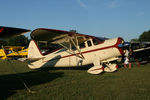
(68, 84)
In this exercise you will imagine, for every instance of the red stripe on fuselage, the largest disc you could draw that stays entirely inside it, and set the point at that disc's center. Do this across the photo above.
(89, 51)
(113, 46)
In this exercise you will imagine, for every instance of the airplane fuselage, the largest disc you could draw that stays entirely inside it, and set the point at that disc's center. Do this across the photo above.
(105, 52)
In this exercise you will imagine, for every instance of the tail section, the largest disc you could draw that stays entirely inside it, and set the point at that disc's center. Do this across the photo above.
(34, 56)
(33, 51)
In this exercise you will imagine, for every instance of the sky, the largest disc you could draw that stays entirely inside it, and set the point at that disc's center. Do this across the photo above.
(102, 18)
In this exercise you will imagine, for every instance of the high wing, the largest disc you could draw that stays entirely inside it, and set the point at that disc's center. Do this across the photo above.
(57, 36)
(6, 32)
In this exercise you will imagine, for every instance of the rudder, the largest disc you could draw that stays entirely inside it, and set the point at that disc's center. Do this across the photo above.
(33, 50)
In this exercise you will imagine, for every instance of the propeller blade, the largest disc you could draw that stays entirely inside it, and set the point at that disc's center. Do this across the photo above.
(125, 44)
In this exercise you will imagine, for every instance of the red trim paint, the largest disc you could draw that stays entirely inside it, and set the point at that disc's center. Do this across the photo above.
(71, 34)
(89, 51)
(61, 32)
(113, 46)
(117, 66)
(1, 29)
(116, 46)
(119, 41)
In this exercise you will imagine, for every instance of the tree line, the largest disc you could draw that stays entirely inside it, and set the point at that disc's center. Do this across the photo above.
(144, 37)
(16, 41)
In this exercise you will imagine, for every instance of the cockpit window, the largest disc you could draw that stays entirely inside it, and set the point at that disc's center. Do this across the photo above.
(46, 47)
(89, 43)
(82, 45)
(99, 40)
(95, 42)
(102, 38)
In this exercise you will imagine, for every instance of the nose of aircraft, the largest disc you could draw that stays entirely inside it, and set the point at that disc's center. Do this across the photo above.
(123, 45)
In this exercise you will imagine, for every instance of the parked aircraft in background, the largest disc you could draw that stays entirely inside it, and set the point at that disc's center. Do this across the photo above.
(13, 52)
(140, 51)
(7, 32)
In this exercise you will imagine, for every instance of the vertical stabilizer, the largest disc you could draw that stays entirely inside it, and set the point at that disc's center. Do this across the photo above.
(33, 50)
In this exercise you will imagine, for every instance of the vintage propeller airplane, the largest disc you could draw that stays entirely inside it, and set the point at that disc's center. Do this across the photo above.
(58, 48)
(68, 49)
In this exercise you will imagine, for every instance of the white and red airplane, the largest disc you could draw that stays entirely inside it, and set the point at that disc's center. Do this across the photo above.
(69, 49)
(57, 48)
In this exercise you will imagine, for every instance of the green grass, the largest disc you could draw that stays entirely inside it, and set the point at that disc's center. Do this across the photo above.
(63, 84)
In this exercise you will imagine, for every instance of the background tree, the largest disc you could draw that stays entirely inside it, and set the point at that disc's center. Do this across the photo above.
(145, 36)
(3, 43)
(75, 31)
(135, 40)
(18, 41)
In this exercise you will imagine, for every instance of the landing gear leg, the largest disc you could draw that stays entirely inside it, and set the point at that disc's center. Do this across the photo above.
(97, 68)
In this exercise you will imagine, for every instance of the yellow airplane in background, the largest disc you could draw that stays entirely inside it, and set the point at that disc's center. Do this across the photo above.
(13, 52)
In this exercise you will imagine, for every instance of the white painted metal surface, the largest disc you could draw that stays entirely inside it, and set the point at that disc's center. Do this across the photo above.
(105, 52)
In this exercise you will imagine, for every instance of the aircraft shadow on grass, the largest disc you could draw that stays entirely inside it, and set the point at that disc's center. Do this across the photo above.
(10, 83)
(86, 67)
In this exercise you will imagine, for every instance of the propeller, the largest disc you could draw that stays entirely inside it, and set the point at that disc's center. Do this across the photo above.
(124, 45)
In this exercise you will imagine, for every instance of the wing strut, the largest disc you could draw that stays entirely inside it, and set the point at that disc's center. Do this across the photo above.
(70, 51)
(77, 47)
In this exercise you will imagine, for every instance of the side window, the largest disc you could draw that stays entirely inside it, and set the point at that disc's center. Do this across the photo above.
(82, 45)
(89, 43)
(95, 42)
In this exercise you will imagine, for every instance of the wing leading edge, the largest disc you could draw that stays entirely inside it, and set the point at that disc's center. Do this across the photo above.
(57, 36)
